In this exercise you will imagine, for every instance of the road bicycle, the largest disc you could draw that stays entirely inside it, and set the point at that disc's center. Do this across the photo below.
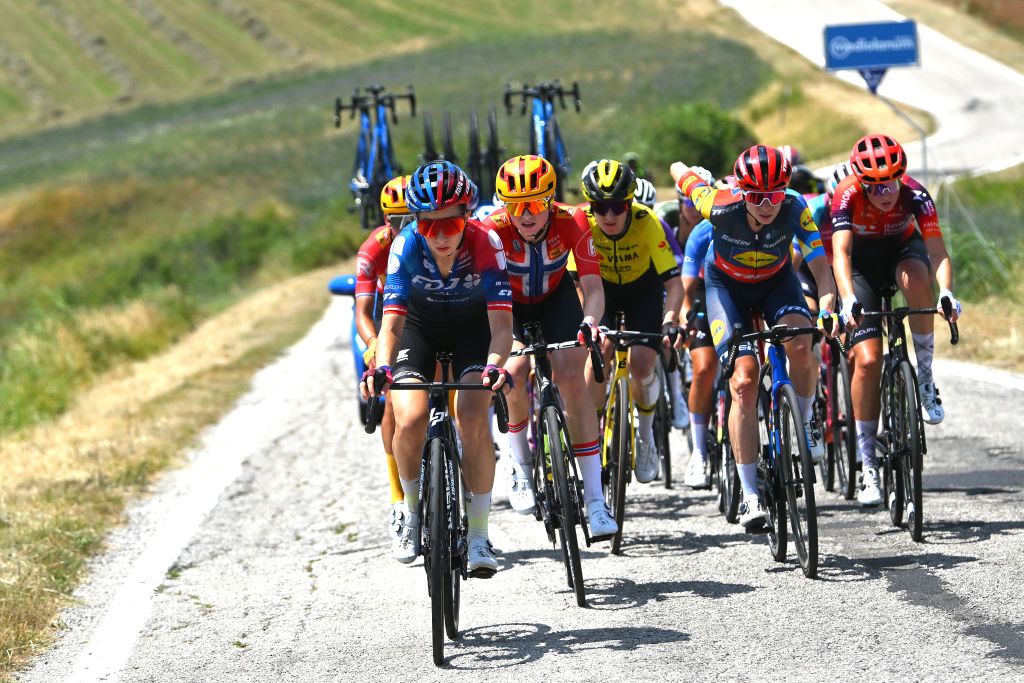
(833, 413)
(375, 161)
(545, 135)
(556, 479)
(786, 473)
(442, 511)
(667, 364)
(483, 162)
(901, 442)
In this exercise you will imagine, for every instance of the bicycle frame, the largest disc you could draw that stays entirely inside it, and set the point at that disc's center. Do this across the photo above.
(895, 333)
(621, 371)
(780, 377)
(365, 157)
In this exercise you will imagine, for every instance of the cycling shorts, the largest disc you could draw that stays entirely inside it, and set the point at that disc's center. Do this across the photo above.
(874, 273)
(731, 301)
(559, 314)
(808, 285)
(702, 339)
(421, 342)
(640, 301)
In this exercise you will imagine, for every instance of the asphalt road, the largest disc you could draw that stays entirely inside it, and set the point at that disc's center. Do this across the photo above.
(286, 573)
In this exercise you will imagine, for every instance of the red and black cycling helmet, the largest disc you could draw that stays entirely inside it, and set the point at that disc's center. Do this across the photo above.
(762, 169)
(438, 185)
(877, 159)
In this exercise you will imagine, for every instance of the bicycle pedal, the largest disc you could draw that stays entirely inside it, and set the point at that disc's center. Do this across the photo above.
(757, 530)
(483, 573)
(603, 537)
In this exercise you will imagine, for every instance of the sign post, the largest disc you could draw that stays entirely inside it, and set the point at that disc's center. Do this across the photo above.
(871, 49)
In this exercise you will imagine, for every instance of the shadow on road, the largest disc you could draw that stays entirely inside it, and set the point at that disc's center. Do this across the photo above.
(966, 531)
(617, 594)
(506, 645)
(682, 543)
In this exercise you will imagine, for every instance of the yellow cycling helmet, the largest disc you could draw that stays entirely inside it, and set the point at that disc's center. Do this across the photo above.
(392, 197)
(524, 179)
(609, 181)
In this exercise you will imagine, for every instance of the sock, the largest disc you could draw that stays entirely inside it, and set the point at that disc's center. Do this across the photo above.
(699, 429)
(588, 458)
(411, 490)
(519, 444)
(478, 512)
(645, 423)
(924, 349)
(675, 384)
(397, 494)
(748, 478)
(650, 390)
(867, 431)
(806, 406)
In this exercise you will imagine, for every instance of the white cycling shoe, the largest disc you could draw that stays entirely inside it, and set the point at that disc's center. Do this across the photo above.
(602, 524)
(815, 442)
(870, 493)
(482, 562)
(697, 475)
(406, 547)
(520, 490)
(931, 404)
(395, 515)
(753, 515)
(647, 461)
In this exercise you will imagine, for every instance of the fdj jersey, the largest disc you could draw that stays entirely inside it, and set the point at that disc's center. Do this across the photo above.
(742, 254)
(640, 247)
(477, 282)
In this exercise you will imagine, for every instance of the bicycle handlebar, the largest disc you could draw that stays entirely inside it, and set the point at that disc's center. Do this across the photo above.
(773, 335)
(904, 311)
(500, 404)
(376, 97)
(547, 92)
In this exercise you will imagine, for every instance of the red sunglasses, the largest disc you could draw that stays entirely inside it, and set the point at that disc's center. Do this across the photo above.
(758, 198)
(449, 227)
(614, 208)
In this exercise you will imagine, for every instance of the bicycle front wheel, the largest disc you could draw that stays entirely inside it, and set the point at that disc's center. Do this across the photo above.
(565, 503)
(439, 539)
(798, 469)
(663, 426)
(619, 457)
(844, 436)
(910, 448)
(773, 471)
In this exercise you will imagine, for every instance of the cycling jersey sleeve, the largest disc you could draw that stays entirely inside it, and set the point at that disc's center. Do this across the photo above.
(705, 198)
(673, 243)
(805, 230)
(923, 207)
(697, 245)
(371, 253)
(497, 288)
(398, 285)
(662, 258)
(843, 200)
(583, 255)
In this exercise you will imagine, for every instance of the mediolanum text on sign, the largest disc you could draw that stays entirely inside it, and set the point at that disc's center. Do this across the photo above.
(871, 46)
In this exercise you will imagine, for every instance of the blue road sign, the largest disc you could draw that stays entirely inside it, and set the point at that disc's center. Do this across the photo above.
(871, 46)
(873, 77)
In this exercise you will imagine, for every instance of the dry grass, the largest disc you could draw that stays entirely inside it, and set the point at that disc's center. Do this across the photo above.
(66, 482)
(950, 19)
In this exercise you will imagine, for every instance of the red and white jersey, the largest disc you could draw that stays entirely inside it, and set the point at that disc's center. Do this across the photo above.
(535, 270)
(372, 262)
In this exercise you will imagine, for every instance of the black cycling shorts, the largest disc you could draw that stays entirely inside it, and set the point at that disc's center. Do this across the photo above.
(702, 339)
(642, 303)
(808, 284)
(874, 274)
(422, 340)
(559, 315)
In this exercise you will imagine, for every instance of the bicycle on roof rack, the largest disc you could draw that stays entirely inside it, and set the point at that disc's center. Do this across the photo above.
(375, 161)
(545, 135)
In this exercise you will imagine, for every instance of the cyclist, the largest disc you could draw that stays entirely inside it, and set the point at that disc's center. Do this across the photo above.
(371, 267)
(746, 268)
(447, 290)
(821, 212)
(538, 236)
(641, 279)
(876, 245)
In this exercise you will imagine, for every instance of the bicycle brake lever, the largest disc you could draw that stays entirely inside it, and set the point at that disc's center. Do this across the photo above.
(954, 330)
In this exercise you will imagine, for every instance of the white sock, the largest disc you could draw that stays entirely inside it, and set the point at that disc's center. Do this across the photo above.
(519, 444)
(590, 470)
(675, 384)
(748, 478)
(867, 432)
(924, 349)
(699, 430)
(806, 406)
(411, 489)
(478, 512)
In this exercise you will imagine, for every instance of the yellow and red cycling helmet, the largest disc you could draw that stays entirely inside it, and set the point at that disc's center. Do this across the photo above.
(526, 183)
(392, 197)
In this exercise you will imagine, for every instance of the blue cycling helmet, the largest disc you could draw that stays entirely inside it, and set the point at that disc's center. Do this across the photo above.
(438, 185)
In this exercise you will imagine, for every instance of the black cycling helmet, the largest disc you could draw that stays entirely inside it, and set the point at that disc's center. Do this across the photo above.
(609, 181)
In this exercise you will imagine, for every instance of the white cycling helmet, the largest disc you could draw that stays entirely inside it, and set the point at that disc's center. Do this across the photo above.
(841, 171)
(645, 193)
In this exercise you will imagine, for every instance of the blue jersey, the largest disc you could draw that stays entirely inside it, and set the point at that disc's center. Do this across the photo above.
(697, 246)
(478, 280)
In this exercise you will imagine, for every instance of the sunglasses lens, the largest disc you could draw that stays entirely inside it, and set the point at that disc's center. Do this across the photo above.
(883, 188)
(759, 198)
(614, 208)
(534, 207)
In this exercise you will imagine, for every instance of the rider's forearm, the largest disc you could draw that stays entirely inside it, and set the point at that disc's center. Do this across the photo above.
(593, 297)
(826, 285)
(387, 341)
(673, 299)
(941, 263)
(501, 337)
(689, 289)
(364, 319)
(842, 265)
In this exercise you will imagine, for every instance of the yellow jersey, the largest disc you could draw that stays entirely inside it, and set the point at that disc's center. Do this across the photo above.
(640, 247)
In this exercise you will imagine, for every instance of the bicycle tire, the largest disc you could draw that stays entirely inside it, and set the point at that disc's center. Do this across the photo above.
(620, 461)
(453, 577)
(771, 469)
(474, 161)
(447, 142)
(557, 437)
(731, 482)
(663, 426)
(439, 549)
(429, 145)
(844, 435)
(892, 473)
(911, 449)
(799, 482)
(827, 466)
(551, 147)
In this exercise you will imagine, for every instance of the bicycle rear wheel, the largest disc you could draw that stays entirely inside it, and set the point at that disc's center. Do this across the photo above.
(492, 155)
(447, 142)
(551, 147)
(907, 415)
(565, 503)
(844, 436)
(617, 460)
(798, 469)
(770, 468)
(827, 466)
(473, 161)
(438, 537)
(663, 425)
(429, 146)
(892, 467)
